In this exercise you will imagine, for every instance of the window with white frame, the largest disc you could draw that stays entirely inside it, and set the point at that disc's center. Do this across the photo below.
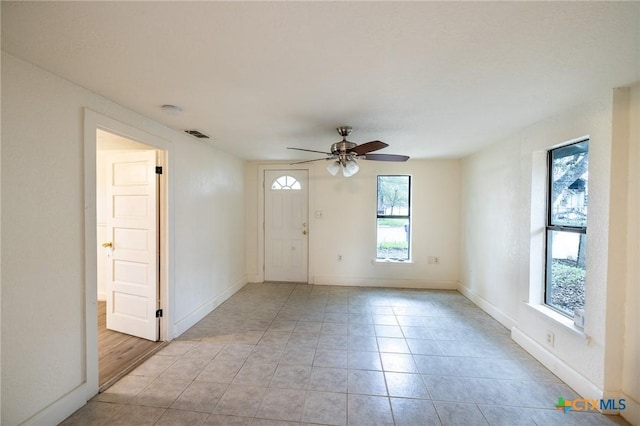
(566, 230)
(285, 183)
(393, 217)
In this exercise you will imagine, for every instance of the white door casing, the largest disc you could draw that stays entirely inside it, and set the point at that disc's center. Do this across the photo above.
(132, 226)
(286, 225)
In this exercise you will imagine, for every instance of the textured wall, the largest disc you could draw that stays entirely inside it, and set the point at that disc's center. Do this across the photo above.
(43, 284)
(631, 356)
(505, 184)
(348, 225)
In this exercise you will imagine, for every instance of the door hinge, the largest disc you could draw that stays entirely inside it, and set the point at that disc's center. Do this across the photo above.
(159, 313)
(158, 170)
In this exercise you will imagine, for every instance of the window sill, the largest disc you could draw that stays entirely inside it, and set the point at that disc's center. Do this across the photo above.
(390, 261)
(565, 322)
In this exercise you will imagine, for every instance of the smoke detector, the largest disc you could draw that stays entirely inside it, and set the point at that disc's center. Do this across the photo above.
(171, 109)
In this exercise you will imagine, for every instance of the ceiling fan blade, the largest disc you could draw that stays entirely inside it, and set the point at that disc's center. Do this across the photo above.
(310, 150)
(385, 157)
(309, 161)
(368, 147)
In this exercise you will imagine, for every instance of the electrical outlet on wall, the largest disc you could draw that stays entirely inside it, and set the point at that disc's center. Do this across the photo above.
(550, 338)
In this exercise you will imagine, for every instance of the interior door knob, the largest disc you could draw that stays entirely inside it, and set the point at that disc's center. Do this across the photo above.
(304, 232)
(107, 245)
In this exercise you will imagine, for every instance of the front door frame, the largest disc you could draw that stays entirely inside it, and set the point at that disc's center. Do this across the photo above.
(261, 194)
(92, 122)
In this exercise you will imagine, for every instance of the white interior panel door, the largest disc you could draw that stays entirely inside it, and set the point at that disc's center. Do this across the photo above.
(286, 229)
(132, 229)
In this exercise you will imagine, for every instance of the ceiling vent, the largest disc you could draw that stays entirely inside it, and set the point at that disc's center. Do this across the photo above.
(198, 134)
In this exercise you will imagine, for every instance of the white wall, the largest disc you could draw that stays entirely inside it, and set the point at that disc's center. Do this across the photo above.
(348, 224)
(0, 236)
(43, 285)
(490, 229)
(631, 353)
(209, 234)
(502, 246)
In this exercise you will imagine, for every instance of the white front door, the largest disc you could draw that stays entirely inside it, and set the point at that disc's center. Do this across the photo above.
(132, 229)
(286, 229)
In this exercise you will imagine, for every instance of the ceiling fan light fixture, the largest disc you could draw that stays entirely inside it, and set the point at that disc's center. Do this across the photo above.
(350, 168)
(333, 167)
(343, 154)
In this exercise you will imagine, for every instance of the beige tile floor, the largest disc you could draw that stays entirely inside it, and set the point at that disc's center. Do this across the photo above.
(287, 354)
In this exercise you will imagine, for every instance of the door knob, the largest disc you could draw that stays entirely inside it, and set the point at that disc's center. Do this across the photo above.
(107, 245)
(304, 232)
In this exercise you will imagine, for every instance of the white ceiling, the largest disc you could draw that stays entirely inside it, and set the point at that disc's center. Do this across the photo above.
(432, 79)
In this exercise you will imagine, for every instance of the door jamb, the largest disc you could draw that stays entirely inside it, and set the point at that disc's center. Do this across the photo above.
(92, 122)
(261, 194)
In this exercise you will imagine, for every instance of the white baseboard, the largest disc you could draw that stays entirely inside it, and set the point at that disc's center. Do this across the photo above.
(489, 308)
(632, 412)
(203, 310)
(385, 282)
(565, 372)
(59, 410)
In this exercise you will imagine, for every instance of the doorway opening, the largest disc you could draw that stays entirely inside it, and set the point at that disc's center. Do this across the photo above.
(129, 201)
(119, 353)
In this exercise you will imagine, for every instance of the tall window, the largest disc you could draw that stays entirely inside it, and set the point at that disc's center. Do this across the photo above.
(567, 227)
(394, 217)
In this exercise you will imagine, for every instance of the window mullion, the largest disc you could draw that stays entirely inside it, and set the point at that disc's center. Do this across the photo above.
(575, 229)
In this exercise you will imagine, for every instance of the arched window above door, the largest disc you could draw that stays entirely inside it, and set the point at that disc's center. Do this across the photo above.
(286, 183)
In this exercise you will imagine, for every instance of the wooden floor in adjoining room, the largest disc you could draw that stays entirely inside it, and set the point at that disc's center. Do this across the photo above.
(118, 353)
